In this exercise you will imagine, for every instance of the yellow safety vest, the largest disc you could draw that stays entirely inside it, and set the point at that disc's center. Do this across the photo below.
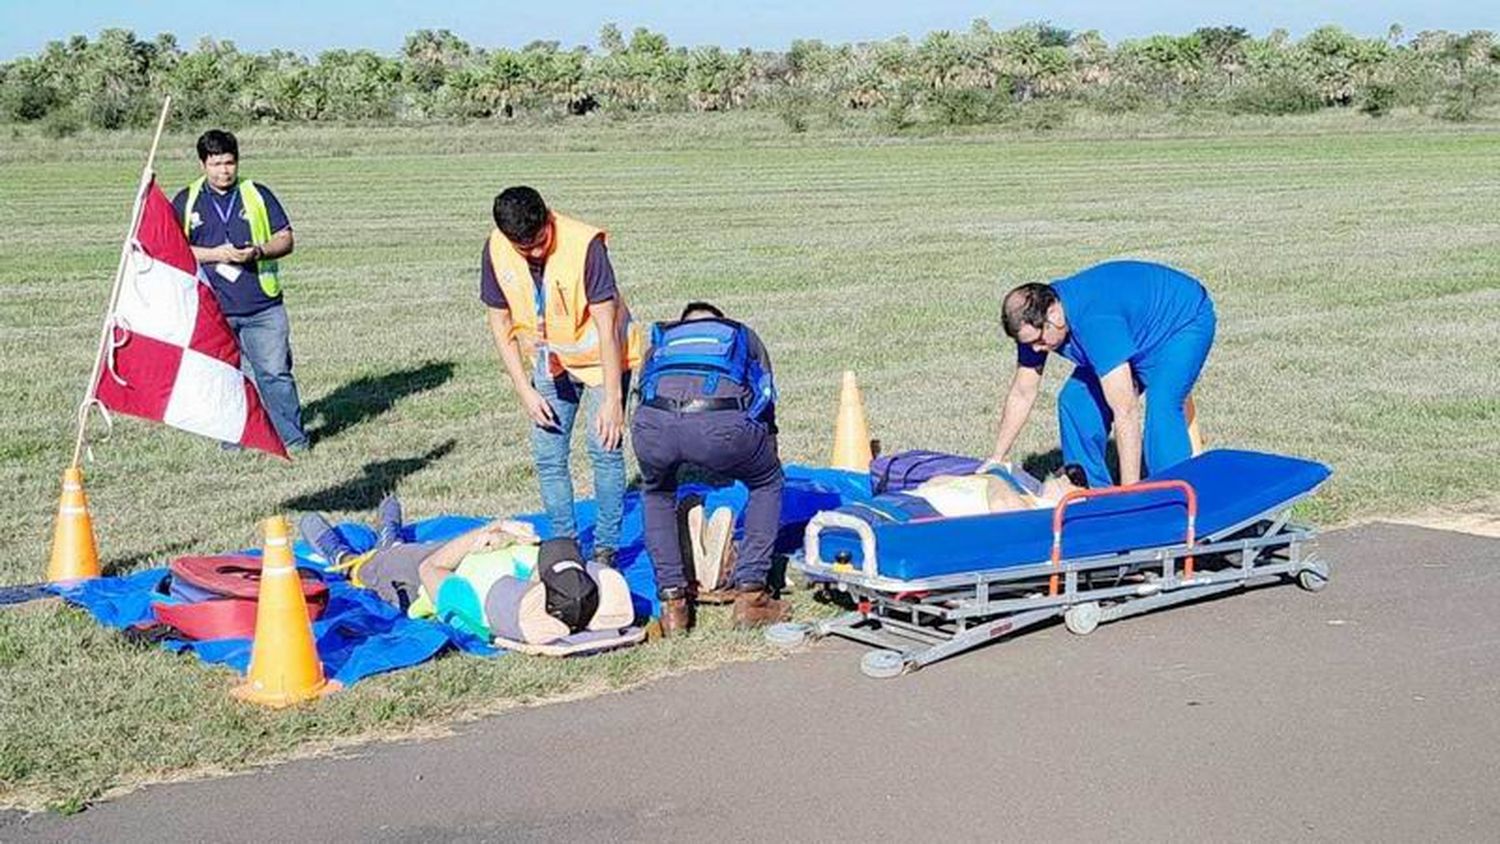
(566, 328)
(260, 229)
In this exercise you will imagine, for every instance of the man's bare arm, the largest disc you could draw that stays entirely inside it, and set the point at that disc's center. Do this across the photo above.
(1016, 409)
(279, 246)
(1119, 393)
(532, 402)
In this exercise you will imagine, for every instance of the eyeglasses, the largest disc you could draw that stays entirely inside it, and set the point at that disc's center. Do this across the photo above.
(1041, 333)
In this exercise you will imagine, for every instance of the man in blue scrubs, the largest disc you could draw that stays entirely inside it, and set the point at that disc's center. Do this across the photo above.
(1132, 329)
(238, 229)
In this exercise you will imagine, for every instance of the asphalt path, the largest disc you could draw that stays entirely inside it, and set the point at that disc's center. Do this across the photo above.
(1368, 711)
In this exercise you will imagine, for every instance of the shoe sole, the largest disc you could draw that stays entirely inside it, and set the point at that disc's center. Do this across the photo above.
(693, 556)
(718, 541)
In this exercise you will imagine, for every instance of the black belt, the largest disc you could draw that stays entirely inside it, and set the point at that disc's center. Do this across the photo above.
(698, 405)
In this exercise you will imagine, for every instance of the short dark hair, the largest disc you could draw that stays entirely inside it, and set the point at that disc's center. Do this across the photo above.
(520, 213)
(695, 307)
(1026, 305)
(217, 142)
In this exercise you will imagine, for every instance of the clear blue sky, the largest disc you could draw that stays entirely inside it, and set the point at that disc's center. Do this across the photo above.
(309, 26)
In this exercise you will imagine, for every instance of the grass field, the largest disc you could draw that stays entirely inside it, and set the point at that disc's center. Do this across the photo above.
(1356, 266)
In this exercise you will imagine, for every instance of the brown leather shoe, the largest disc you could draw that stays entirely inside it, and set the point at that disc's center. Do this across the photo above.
(754, 607)
(676, 615)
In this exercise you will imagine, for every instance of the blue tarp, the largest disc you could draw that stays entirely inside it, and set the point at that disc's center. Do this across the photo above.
(359, 635)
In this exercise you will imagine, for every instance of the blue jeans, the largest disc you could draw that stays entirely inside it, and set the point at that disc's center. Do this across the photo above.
(1165, 378)
(551, 448)
(266, 347)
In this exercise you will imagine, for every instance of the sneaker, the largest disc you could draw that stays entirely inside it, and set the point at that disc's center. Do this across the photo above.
(324, 539)
(388, 515)
(605, 557)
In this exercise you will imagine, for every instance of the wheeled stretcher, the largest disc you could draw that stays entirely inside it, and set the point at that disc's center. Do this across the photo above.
(926, 589)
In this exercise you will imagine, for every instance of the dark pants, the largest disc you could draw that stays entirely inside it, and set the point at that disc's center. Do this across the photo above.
(725, 442)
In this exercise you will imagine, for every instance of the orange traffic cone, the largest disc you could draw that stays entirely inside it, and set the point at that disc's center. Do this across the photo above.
(75, 555)
(284, 665)
(1195, 436)
(851, 437)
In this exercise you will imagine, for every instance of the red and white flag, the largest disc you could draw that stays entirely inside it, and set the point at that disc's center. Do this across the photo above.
(171, 356)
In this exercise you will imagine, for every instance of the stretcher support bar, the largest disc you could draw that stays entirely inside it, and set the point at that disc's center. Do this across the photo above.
(1188, 493)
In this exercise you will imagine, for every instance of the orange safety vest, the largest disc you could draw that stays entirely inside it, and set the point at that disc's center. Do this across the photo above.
(567, 331)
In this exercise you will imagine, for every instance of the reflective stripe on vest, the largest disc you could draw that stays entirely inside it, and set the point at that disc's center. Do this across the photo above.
(562, 324)
(266, 269)
(711, 348)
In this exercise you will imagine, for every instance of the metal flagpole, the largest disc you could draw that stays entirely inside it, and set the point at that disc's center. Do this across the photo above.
(114, 294)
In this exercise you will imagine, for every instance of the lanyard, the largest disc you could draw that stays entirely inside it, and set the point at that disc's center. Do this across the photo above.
(224, 213)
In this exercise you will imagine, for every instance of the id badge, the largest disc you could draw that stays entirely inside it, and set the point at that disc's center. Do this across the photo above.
(228, 272)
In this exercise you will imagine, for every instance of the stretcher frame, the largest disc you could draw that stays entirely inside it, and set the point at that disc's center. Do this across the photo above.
(916, 622)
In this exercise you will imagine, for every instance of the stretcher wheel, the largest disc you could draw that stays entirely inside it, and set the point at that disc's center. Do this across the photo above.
(1313, 578)
(1082, 619)
(787, 634)
(882, 665)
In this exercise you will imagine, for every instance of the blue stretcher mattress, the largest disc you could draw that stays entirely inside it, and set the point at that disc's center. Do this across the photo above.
(1232, 487)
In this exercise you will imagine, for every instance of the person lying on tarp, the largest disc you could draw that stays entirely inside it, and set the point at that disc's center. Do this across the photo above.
(478, 581)
(1133, 330)
(408, 574)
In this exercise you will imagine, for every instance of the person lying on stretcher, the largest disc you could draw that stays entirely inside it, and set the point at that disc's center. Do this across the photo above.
(995, 491)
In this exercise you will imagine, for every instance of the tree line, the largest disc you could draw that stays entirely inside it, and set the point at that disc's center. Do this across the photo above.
(980, 75)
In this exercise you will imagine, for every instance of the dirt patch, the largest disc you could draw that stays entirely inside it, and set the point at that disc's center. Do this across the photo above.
(1475, 524)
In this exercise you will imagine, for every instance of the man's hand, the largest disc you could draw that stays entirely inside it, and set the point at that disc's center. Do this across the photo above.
(523, 531)
(226, 254)
(503, 533)
(538, 409)
(995, 461)
(609, 424)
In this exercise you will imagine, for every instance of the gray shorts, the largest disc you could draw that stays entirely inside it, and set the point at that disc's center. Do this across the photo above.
(393, 572)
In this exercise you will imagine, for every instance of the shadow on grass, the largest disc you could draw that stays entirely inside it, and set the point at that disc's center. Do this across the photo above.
(368, 396)
(374, 481)
(158, 556)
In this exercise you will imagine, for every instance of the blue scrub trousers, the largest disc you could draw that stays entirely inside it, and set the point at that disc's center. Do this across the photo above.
(1165, 378)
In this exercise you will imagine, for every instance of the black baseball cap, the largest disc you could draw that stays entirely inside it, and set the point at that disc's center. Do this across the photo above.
(572, 595)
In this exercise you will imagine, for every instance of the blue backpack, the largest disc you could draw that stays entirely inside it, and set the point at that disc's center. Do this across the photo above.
(713, 349)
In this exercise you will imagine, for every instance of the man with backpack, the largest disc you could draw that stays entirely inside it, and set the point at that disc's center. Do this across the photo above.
(707, 399)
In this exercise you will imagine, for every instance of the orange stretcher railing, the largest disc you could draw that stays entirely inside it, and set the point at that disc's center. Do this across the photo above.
(1146, 486)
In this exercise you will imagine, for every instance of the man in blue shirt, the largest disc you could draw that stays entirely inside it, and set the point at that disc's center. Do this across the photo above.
(238, 231)
(1131, 329)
